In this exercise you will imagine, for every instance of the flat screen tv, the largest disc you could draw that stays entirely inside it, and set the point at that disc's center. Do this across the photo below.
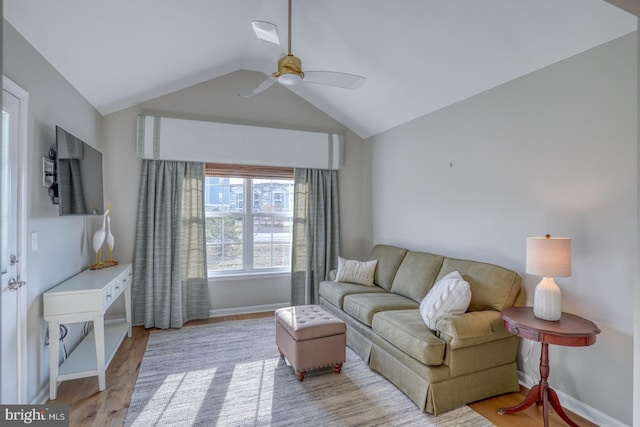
(79, 176)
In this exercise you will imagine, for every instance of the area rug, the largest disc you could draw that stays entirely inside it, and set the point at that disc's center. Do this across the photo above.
(230, 374)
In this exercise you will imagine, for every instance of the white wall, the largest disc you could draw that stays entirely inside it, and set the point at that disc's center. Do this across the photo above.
(217, 100)
(63, 245)
(552, 152)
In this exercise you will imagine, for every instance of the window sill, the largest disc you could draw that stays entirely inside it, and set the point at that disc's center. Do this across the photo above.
(248, 276)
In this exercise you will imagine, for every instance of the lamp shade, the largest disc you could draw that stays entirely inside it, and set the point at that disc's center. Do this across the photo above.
(549, 256)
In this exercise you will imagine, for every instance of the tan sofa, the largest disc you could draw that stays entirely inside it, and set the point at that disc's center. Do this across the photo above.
(468, 357)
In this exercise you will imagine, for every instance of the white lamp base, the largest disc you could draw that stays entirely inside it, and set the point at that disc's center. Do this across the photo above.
(547, 300)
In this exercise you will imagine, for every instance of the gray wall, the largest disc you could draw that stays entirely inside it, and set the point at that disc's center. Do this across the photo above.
(552, 152)
(63, 245)
(218, 100)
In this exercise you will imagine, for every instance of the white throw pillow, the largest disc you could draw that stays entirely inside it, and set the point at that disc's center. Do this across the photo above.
(359, 272)
(450, 295)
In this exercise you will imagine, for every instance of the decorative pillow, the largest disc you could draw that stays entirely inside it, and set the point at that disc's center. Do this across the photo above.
(450, 295)
(359, 272)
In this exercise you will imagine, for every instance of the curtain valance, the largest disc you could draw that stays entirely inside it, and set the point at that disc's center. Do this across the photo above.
(165, 138)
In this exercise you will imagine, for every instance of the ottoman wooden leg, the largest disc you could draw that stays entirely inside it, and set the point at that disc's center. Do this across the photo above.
(337, 368)
(281, 353)
(300, 375)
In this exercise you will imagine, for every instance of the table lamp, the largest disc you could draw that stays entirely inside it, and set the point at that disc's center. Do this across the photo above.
(549, 257)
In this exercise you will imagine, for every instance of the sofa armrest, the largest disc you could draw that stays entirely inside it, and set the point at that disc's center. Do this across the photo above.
(471, 328)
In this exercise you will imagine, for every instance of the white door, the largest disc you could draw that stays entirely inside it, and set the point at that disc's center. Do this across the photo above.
(12, 207)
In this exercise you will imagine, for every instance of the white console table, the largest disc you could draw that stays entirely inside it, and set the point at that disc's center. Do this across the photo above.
(86, 297)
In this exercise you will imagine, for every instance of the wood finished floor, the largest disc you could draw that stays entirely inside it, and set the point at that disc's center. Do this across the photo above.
(90, 407)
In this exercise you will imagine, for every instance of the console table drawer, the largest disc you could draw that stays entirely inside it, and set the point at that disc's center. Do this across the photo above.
(65, 304)
(87, 292)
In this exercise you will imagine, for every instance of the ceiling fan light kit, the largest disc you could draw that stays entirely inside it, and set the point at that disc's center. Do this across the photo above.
(290, 67)
(289, 70)
(289, 79)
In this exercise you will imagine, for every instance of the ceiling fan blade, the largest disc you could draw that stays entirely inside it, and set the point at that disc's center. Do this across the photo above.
(261, 87)
(332, 78)
(266, 31)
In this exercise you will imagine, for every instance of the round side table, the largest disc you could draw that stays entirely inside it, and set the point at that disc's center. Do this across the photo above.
(570, 330)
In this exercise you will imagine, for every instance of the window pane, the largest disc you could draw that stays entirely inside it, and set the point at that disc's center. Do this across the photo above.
(272, 195)
(223, 194)
(271, 241)
(224, 242)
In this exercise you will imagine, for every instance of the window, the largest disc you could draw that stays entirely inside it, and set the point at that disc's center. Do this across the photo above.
(249, 219)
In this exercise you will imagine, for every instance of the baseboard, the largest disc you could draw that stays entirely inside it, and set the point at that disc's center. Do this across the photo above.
(221, 312)
(246, 310)
(42, 396)
(576, 406)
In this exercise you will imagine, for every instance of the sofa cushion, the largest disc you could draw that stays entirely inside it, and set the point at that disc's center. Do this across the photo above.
(359, 272)
(389, 259)
(364, 306)
(406, 330)
(492, 287)
(334, 292)
(416, 275)
(450, 295)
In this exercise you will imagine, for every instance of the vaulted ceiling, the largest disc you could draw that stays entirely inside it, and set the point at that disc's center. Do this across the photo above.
(418, 55)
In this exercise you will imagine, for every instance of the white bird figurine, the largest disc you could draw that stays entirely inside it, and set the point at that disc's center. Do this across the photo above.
(99, 236)
(110, 239)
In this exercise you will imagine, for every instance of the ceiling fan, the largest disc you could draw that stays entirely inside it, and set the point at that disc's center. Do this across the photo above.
(290, 67)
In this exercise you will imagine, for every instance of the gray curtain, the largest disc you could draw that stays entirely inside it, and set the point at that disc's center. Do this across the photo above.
(170, 264)
(316, 232)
